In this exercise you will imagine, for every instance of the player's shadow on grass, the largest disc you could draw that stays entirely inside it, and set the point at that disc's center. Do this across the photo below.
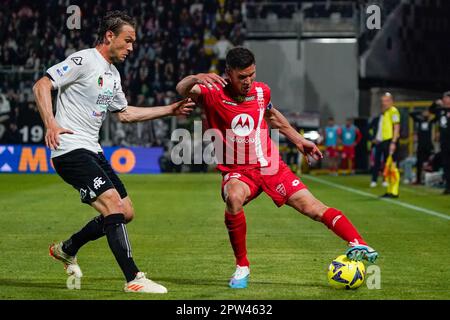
(57, 284)
(28, 284)
(224, 282)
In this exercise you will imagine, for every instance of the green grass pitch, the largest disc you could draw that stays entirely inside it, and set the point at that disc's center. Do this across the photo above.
(179, 238)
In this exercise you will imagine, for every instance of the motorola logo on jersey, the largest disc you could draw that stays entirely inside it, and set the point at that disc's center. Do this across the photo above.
(242, 125)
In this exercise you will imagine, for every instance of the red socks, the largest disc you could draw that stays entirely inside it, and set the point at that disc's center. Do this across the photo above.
(332, 218)
(340, 225)
(237, 230)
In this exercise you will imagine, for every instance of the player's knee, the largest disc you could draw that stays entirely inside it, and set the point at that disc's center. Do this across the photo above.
(112, 201)
(235, 198)
(129, 214)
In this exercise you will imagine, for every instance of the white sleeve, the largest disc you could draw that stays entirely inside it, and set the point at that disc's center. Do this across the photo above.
(67, 72)
(119, 101)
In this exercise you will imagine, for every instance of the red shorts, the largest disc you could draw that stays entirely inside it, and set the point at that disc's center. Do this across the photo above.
(280, 186)
(348, 152)
(332, 152)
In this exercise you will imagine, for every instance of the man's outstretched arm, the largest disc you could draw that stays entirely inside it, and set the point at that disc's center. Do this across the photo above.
(137, 114)
(276, 120)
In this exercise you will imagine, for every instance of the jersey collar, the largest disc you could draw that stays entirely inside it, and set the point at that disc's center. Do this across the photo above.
(101, 58)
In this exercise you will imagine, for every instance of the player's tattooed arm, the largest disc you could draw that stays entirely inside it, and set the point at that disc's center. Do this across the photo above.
(276, 120)
(42, 94)
(137, 114)
(188, 87)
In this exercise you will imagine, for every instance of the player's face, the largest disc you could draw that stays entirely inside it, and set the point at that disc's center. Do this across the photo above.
(446, 101)
(386, 102)
(122, 44)
(242, 79)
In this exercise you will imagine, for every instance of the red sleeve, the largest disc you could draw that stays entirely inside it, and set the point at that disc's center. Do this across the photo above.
(207, 96)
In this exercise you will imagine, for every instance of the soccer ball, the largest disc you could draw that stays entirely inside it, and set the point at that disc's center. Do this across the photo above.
(346, 274)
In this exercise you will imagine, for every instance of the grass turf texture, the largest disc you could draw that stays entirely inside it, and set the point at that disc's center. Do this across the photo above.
(179, 238)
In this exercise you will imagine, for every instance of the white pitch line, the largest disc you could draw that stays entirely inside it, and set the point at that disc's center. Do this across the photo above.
(366, 194)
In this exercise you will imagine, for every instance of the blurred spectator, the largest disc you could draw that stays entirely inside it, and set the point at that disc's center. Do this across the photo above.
(442, 111)
(330, 135)
(174, 38)
(220, 49)
(424, 127)
(5, 109)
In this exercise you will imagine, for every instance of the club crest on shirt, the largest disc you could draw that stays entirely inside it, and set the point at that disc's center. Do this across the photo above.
(100, 81)
(281, 189)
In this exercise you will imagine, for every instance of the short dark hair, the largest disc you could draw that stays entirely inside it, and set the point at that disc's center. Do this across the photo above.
(239, 58)
(113, 21)
(446, 94)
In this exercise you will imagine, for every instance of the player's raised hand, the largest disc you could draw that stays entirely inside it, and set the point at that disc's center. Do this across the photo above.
(52, 136)
(183, 107)
(309, 149)
(210, 80)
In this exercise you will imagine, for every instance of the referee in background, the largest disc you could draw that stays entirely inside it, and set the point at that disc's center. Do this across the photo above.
(386, 135)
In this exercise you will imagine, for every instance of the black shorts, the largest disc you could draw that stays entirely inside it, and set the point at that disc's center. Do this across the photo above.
(88, 172)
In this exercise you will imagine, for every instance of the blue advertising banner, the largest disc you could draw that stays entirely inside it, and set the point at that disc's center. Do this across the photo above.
(36, 159)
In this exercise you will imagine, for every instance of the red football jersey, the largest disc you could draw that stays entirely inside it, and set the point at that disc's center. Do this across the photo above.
(244, 134)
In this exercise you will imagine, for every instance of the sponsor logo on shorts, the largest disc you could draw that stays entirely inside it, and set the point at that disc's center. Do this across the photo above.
(281, 189)
(98, 182)
(83, 193)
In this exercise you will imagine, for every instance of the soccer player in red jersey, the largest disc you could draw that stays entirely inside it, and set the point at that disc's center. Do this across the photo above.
(240, 110)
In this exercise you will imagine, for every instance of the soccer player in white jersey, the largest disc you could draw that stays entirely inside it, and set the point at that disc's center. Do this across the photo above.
(88, 87)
